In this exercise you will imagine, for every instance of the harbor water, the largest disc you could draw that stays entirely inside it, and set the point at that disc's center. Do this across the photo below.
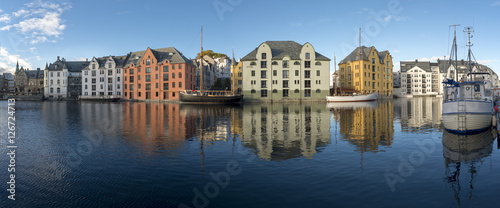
(389, 153)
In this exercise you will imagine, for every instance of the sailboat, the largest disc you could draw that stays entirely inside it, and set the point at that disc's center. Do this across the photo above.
(350, 96)
(208, 96)
(467, 103)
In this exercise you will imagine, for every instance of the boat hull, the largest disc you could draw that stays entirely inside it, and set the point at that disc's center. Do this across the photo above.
(476, 118)
(354, 98)
(210, 98)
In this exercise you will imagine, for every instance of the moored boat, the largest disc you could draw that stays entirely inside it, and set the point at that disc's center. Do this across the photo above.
(352, 98)
(209, 97)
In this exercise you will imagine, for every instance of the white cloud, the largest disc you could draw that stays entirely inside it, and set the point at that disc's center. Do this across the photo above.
(20, 13)
(39, 21)
(496, 3)
(33, 50)
(8, 61)
(5, 18)
(1, 10)
(395, 51)
(489, 61)
(431, 59)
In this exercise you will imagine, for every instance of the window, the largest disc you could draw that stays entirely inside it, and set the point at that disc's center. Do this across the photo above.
(131, 78)
(58, 90)
(285, 64)
(131, 87)
(94, 80)
(263, 74)
(318, 73)
(275, 72)
(307, 74)
(93, 67)
(180, 66)
(318, 91)
(296, 63)
(165, 86)
(118, 71)
(373, 60)
(285, 93)
(173, 75)
(285, 74)
(148, 86)
(58, 73)
(165, 77)
(173, 67)
(101, 71)
(118, 79)
(263, 64)
(148, 62)
(285, 83)
(317, 63)
(110, 80)
(180, 74)
(86, 80)
(109, 65)
(139, 77)
(253, 63)
(118, 86)
(165, 68)
(296, 72)
(307, 64)
(307, 83)
(253, 73)
(274, 63)
(308, 56)
(275, 91)
(148, 78)
(307, 93)
(349, 77)
(173, 84)
(180, 84)
(264, 56)
(263, 84)
(110, 87)
(131, 71)
(263, 93)
(86, 86)
(148, 69)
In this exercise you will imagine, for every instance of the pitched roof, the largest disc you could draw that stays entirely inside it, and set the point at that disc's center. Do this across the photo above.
(407, 65)
(162, 54)
(72, 66)
(33, 74)
(280, 49)
(365, 53)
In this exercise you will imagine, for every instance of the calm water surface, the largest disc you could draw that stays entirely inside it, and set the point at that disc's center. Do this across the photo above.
(380, 154)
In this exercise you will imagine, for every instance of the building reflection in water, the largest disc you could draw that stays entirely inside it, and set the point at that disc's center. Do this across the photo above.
(465, 154)
(417, 113)
(157, 128)
(366, 125)
(285, 131)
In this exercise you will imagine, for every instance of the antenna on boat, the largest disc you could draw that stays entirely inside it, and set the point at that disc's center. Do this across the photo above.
(335, 76)
(469, 45)
(454, 51)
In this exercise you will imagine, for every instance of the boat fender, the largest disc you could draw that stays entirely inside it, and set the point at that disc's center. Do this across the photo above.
(494, 120)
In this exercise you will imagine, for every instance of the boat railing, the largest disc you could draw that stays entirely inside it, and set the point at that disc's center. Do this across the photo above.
(210, 92)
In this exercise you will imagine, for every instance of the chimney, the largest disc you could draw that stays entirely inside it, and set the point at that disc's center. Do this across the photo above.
(416, 60)
(58, 58)
(87, 59)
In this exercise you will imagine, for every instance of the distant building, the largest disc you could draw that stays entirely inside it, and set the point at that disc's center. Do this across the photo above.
(367, 70)
(103, 78)
(237, 77)
(4, 85)
(209, 77)
(285, 70)
(416, 77)
(62, 79)
(157, 74)
(28, 81)
(10, 80)
(223, 67)
(396, 77)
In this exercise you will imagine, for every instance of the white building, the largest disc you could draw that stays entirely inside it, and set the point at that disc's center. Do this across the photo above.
(11, 82)
(102, 78)
(62, 79)
(222, 68)
(420, 78)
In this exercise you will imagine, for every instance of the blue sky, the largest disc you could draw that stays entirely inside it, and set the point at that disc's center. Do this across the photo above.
(37, 31)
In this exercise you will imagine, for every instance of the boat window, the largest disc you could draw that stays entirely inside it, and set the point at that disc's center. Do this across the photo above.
(476, 88)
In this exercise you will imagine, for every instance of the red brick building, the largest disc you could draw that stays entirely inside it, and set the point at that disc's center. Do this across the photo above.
(157, 74)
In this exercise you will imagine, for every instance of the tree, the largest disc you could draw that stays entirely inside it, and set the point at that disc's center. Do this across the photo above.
(211, 54)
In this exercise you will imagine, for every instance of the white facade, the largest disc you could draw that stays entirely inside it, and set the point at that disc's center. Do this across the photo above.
(222, 68)
(417, 81)
(102, 78)
(56, 83)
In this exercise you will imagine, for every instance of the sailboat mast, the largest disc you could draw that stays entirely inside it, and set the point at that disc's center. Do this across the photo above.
(335, 75)
(359, 59)
(201, 61)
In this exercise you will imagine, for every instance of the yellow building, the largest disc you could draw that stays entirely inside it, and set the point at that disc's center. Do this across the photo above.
(236, 77)
(367, 70)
